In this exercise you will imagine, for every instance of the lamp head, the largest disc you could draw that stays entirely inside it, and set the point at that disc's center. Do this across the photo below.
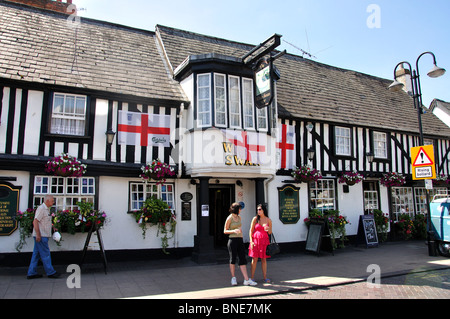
(396, 86)
(436, 72)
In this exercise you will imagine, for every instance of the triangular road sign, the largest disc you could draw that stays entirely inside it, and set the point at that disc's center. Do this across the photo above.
(422, 159)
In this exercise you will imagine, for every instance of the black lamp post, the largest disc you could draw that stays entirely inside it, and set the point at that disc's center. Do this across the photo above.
(417, 96)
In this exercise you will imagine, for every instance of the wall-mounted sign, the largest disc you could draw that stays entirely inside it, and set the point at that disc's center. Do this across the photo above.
(289, 204)
(186, 197)
(9, 204)
(263, 79)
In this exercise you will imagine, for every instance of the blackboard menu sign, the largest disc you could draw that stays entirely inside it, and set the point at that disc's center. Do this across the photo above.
(314, 237)
(289, 204)
(367, 230)
(9, 205)
(318, 236)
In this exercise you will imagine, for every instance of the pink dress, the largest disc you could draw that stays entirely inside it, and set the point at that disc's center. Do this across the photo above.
(260, 241)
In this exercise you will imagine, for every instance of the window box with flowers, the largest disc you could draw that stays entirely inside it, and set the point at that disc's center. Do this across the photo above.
(157, 171)
(350, 178)
(79, 220)
(393, 180)
(442, 180)
(66, 221)
(157, 212)
(65, 166)
(306, 174)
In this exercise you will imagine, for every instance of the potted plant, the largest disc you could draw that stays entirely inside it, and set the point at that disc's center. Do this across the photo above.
(79, 219)
(350, 178)
(157, 170)
(65, 166)
(306, 174)
(393, 179)
(156, 212)
(25, 225)
(382, 224)
(405, 226)
(337, 223)
(313, 213)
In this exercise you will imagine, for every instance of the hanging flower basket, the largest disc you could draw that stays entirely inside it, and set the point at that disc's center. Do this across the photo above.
(350, 178)
(156, 212)
(393, 180)
(65, 166)
(157, 170)
(306, 174)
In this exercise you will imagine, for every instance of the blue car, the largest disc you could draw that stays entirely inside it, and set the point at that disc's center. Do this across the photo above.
(440, 223)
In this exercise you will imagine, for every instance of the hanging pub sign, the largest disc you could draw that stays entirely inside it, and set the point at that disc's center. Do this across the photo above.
(263, 75)
(9, 205)
(263, 79)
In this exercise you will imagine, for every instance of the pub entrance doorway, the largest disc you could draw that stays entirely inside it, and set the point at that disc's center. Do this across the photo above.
(220, 199)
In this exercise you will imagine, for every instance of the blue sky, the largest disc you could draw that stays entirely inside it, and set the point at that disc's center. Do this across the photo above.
(366, 36)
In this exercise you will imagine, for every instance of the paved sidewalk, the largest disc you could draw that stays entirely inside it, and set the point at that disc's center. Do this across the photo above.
(184, 279)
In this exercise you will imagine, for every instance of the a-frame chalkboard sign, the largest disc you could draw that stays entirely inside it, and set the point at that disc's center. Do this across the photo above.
(319, 237)
(367, 231)
(96, 229)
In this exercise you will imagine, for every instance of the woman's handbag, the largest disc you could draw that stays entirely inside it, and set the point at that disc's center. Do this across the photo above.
(273, 248)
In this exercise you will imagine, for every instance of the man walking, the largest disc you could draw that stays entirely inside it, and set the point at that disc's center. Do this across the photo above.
(42, 231)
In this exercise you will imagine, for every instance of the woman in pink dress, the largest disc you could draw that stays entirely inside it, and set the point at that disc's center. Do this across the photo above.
(259, 240)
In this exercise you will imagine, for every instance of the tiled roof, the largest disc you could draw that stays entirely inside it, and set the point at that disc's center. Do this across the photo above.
(41, 46)
(314, 91)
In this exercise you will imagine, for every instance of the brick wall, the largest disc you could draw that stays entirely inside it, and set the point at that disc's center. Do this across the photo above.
(59, 5)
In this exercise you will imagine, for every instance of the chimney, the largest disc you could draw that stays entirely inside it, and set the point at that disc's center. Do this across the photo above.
(53, 5)
(404, 76)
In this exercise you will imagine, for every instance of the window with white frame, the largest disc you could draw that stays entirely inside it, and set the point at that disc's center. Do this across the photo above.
(420, 196)
(220, 102)
(343, 141)
(203, 100)
(68, 114)
(234, 99)
(261, 118)
(380, 144)
(323, 194)
(402, 202)
(247, 103)
(67, 191)
(139, 192)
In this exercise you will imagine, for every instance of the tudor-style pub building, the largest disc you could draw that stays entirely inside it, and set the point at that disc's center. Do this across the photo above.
(116, 98)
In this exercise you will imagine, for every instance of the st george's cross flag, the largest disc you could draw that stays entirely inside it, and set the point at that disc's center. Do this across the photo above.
(250, 146)
(142, 129)
(286, 146)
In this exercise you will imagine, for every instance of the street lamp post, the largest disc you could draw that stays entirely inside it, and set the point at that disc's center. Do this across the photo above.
(417, 97)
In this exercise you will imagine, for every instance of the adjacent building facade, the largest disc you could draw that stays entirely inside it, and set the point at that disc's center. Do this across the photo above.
(65, 83)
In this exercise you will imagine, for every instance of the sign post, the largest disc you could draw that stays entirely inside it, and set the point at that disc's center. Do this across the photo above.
(424, 168)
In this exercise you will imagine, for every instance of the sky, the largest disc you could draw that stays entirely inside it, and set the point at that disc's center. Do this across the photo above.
(368, 36)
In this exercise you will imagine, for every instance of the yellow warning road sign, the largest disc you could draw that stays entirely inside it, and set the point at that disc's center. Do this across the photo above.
(422, 158)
